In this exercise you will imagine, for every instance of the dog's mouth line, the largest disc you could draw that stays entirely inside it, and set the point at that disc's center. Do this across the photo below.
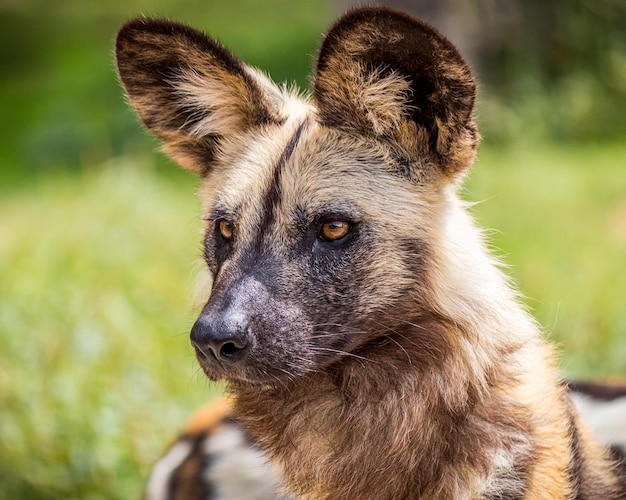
(249, 375)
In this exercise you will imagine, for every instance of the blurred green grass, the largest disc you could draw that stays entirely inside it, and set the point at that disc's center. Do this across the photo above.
(57, 77)
(559, 214)
(99, 243)
(95, 366)
(96, 372)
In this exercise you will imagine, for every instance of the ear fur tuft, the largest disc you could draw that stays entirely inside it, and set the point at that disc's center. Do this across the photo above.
(384, 73)
(189, 90)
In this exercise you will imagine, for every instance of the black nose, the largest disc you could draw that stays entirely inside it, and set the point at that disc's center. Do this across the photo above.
(222, 340)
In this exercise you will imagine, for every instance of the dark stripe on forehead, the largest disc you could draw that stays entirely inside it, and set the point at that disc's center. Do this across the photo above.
(291, 145)
(251, 254)
(272, 196)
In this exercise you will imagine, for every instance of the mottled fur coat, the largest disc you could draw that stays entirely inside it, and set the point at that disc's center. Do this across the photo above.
(371, 345)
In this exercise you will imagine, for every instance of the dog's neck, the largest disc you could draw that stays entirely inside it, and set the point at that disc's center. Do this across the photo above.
(392, 426)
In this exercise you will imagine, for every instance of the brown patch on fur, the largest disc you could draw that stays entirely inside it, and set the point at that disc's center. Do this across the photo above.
(208, 416)
(187, 481)
(591, 465)
(604, 390)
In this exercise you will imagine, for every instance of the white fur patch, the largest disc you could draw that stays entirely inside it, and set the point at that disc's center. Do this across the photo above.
(605, 419)
(161, 473)
(237, 470)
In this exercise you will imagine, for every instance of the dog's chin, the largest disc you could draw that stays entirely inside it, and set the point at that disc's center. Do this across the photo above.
(249, 374)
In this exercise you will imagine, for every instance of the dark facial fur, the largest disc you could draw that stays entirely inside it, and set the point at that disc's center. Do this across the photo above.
(306, 301)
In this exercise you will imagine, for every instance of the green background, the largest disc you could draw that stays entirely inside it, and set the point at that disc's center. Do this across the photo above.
(100, 234)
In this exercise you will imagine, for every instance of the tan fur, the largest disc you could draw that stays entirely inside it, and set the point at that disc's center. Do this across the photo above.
(378, 101)
(429, 380)
(208, 416)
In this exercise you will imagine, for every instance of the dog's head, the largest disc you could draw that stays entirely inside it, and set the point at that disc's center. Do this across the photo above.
(321, 213)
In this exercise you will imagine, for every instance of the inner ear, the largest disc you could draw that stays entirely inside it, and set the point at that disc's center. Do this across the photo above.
(189, 90)
(382, 72)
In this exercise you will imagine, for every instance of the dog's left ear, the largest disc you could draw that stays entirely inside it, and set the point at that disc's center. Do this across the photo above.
(383, 73)
(190, 91)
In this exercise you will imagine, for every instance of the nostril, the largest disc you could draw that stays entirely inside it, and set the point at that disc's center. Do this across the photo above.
(228, 349)
(232, 351)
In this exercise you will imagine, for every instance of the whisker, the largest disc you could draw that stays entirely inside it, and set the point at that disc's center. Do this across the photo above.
(329, 324)
(401, 347)
(342, 353)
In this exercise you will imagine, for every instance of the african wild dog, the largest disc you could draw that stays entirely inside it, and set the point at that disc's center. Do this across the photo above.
(372, 348)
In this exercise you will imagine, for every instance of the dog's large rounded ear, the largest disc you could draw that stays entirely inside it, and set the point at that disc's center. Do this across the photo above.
(190, 91)
(381, 72)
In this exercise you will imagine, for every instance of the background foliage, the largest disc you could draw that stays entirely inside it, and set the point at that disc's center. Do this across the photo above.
(99, 235)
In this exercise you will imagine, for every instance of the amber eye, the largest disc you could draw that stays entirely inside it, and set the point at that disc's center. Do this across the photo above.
(226, 229)
(334, 230)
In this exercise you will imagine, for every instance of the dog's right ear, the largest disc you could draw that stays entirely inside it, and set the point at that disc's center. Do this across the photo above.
(190, 91)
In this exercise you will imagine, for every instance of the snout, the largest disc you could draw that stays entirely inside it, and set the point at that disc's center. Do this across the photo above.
(221, 340)
(247, 333)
